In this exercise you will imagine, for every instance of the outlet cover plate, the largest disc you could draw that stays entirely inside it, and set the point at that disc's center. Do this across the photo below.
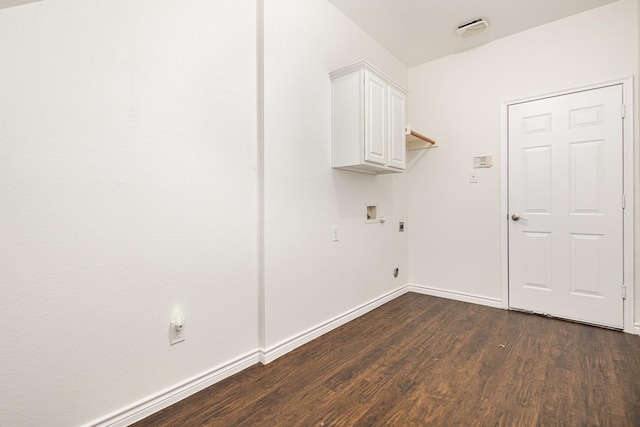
(175, 336)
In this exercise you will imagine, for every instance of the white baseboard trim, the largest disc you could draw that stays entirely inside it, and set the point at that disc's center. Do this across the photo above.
(274, 352)
(455, 295)
(636, 328)
(145, 407)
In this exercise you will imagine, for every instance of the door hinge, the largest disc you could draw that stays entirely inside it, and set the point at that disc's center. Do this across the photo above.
(622, 111)
(624, 291)
(624, 201)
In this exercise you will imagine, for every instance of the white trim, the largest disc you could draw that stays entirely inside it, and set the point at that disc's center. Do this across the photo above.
(628, 183)
(260, 164)
(504, 204)
(629, 211)
(455, 295)
(284, 347)
(606, 83)
(364, 65)
(154, 403)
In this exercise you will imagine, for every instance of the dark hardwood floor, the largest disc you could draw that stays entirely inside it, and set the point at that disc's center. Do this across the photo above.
(420, 360)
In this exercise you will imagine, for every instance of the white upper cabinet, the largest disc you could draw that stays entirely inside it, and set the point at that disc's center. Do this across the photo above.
(397, 139)
(368, 120)
(375, 123)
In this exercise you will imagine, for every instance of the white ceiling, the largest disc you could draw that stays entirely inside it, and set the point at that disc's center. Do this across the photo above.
(10, 3)
(419, 31)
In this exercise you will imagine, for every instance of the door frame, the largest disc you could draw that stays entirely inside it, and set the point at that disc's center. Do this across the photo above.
(628, 187)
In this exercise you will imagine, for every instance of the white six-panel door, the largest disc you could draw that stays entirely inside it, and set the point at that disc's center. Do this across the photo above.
(566, 206)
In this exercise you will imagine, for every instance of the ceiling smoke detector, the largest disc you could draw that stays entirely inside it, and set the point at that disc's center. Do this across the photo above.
(472, 28)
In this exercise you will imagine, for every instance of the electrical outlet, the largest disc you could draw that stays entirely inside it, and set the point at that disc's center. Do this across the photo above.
(176, 333)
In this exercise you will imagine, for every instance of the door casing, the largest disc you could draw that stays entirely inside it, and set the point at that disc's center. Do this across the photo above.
(628, 184)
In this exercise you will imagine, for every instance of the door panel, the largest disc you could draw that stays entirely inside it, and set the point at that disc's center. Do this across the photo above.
(397, 142)
(565, 185)
(586, 167)
(586, 251)
(375, 113)
(536, 251)
(536, 170)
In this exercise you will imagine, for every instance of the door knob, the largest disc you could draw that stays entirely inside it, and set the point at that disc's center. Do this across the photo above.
(515, 217)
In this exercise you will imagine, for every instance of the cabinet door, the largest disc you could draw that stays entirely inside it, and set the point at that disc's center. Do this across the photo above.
(375, 129)
(397, 149)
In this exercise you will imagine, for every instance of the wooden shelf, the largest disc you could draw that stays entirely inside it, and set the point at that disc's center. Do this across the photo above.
(417, 141)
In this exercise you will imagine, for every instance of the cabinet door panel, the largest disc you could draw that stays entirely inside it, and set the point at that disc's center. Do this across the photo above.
(375, 131)
(397, 149)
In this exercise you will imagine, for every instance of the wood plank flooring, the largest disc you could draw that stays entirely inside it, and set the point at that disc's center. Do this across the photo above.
(421, 360)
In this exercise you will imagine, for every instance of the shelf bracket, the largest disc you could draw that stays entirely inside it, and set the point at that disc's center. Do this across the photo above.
(417, 141)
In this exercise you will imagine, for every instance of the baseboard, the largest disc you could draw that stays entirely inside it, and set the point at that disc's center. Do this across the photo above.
(171, 395)
(145, 407)
(272, 353)
(636, 328)
(455, 295)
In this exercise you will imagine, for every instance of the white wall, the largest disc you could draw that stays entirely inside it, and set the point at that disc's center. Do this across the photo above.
(455, 238)
(129, 170)
(127, 188)
(308, 279)
(129, 181)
